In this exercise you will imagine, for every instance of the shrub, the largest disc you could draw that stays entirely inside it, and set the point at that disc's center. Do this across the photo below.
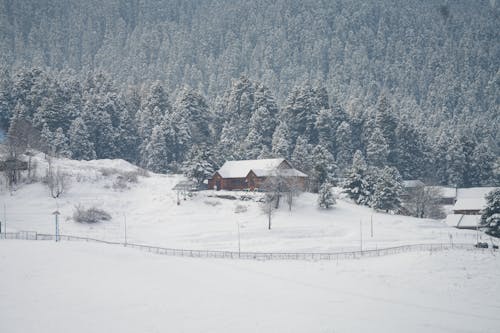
(90, 215)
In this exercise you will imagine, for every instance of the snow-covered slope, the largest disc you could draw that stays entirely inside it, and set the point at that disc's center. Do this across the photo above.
(87, 287)
(149, 209)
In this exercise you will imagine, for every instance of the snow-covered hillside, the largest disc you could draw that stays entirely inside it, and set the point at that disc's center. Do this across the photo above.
(87, 287)
(149, 209)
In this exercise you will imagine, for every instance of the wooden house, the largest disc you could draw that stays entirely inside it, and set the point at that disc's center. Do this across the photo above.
(251, 174)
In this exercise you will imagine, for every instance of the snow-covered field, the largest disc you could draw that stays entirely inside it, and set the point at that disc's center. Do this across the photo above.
(152, 216)
(87, 287)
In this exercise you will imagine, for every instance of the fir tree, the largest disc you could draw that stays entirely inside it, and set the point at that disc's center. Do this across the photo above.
(156, 154)
(325, 196)
(80, 145)
(199, 164)
(61, 143)
(357, 184)
(377, 150)
(490, 219)
(281, 141)
(302, 158)
(323, 167)
(345, 149)
(387, 190)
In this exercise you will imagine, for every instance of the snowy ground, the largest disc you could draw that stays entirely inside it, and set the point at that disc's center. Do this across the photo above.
(87, 287)
(204, 222)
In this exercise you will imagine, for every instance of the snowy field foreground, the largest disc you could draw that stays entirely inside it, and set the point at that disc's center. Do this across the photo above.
(149, 209)
(87, 287)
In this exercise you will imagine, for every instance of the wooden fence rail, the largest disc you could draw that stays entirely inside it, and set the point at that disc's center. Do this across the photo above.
(430, 247)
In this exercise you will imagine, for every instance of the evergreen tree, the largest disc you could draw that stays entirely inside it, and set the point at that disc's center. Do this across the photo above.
(80, 145)
(410, 155)
(156, 154)
(455, 162)
(387, 190)
(483, 160)
(281, 141)
(323, 168)
(490, 219)
(302, 157)
(61, 143)
(377, 150)
(199, 164)
(357, 184)
(325, 196)
(386, 122)
(345, 147)
(192, 107)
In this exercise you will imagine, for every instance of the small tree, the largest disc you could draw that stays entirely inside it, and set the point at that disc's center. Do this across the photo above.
(490, 220)
(358, 182)
(423, 201)
(57, 181)
(325, 196)
(268, 207)
(199, 164)
(387, 190)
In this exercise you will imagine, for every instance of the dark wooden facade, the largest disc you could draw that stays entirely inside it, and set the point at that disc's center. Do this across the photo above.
(252, 181)
(219, 183)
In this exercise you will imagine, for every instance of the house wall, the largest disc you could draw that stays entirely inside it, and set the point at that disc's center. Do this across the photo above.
(219, 183)
(467, 212)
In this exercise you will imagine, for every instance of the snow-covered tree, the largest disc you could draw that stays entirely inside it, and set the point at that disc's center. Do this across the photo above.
(387, 190)
(357, 184)
(302, 155)
(281, 141)
(156, 154)
(199, 164)
(345, 147)
(490, 219)
(323, 167)
(80, 145)
(377, 150)
(326, 198)
(61, 143)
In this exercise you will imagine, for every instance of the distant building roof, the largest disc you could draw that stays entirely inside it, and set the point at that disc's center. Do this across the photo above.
(412, 183)
(470, 204)
(463, 221)
(445, 191)
(281, 172)
(240, 169)
(473, 192)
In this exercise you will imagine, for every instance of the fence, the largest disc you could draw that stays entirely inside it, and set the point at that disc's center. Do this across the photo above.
(431, 247)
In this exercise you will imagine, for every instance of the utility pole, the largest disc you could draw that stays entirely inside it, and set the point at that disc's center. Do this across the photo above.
(56, 215)
(125, 221)
(4, 219)
(239, 240)
(371, 225)
(361, 235)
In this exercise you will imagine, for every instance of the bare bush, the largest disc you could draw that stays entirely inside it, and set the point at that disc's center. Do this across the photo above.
(90, 215)
(106, 172)
(57, 181)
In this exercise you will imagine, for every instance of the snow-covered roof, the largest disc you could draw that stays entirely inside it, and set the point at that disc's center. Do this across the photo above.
(453, 219)
(281, 172)
(411, 183)
(463, 221)
(445, 191)
(470, 204)
(469, 221)
(473, 192)
(240, 169)
(261, 168)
